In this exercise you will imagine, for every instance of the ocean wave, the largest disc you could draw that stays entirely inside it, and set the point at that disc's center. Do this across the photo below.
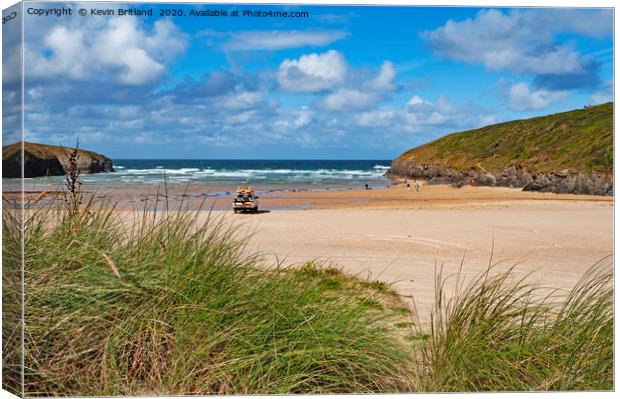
(251, 172)
(131, 173)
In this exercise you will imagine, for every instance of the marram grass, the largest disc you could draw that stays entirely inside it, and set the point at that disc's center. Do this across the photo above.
(164, 305)
(502, 334)
(167, 306)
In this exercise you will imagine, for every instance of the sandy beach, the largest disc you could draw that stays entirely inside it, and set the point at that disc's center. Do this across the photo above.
(401, 236)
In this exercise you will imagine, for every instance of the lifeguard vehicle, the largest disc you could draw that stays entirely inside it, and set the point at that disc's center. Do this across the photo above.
(245, 200)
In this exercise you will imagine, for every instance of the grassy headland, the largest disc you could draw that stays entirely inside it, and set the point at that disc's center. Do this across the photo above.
(580, 141)
(48, 160)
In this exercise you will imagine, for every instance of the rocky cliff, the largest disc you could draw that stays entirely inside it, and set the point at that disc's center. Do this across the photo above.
(570, 152)
(512, 176)
(49, 160)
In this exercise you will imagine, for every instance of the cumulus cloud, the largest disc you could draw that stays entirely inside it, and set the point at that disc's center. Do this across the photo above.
(523, 41)
(416, 101)
(420, 112)
(281, 39)
(427, 117)
(304, 117)
(348, 99)
(522, 98)
(345, 90)
(386, 78)
(313, 72)
(375, 118)
(120, 48)
(417, 104)
(241, 100)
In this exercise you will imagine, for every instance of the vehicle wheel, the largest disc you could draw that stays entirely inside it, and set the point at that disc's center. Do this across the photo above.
(236, 210)
(255, 209)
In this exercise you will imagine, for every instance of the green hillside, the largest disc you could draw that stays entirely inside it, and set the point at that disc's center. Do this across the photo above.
(579, 140)
(48, 160)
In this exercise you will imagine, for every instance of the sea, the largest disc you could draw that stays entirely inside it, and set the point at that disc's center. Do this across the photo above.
(220, 172)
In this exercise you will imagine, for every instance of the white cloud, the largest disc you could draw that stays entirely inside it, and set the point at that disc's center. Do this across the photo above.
(243, 117)
(313, 72)
(419, 105)
(281, 39)
(68, 50)
(416, 101)
(304, 117)
(430, 115)
(119, 48)
(522, 98)
(348, 99)
(376, 118)
(385, 80)
(240, 100)
(520, 41)
(166, 42)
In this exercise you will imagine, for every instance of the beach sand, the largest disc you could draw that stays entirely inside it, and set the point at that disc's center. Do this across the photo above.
(401, 236)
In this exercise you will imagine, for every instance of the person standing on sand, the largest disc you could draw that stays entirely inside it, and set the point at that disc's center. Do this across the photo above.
(417, 188)
(408, 187)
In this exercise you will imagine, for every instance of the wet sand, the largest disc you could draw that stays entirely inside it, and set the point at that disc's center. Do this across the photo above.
(280, 197)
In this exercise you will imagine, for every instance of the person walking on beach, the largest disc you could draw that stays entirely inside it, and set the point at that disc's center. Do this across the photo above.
(408, 187)
(366, 186)
(417, 188)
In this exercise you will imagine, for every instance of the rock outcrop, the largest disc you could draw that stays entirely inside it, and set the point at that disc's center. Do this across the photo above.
(49, 160)
(561, 182)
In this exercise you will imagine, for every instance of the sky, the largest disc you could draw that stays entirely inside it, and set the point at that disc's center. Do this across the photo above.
(345, 82)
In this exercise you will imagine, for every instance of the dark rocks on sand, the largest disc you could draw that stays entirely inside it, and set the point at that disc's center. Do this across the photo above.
(561, 182)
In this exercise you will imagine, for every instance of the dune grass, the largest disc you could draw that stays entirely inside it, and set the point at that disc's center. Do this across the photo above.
(165, 305)
(11, 299)
(168, 306)
(503, 334)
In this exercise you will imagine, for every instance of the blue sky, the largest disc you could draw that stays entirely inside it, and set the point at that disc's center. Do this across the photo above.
(344, 83)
